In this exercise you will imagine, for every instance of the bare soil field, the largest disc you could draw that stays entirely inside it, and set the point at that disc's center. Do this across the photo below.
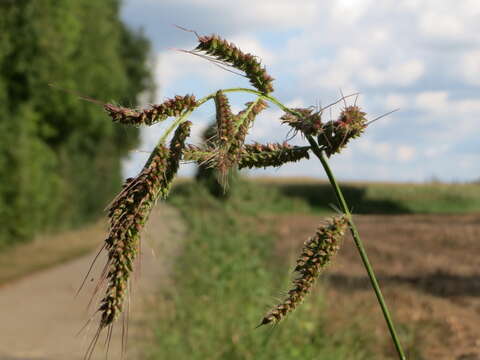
(429, 270)
(40, 315)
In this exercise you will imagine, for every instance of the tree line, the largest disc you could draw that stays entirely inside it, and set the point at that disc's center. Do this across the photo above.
(60, 157)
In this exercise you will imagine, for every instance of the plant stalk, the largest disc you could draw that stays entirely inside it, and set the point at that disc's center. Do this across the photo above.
(341, 200)
(358, 242)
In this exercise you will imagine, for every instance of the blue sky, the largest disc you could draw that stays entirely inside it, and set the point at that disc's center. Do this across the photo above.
(420, 56)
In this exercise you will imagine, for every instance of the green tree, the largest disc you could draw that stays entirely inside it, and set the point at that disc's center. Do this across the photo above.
(60, 157)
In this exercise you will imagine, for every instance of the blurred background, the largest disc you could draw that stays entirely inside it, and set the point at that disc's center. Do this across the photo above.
(219, 260)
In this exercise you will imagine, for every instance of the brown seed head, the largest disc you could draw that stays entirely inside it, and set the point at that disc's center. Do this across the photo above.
(316, 254)
(229, 54)
(309, 123)
(224, 117)
(128, 214)
(336, 134)
(169, 108)
(244, 120)
(258, 155)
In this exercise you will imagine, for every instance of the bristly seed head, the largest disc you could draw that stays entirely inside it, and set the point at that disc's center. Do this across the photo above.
(316, 254)
(225, 136)
(336, 134)
(248, 115)
(332, 136)
(229, 54)
(309, 123)
(177, 147)
(224, 116)
(169, 108)
(128, 214)
(258, 155)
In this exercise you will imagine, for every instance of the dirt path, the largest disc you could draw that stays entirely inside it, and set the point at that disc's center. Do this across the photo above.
(429, 270)
(40, 315)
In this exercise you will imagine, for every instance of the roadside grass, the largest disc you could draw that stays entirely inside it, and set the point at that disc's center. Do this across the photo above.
(228, 276)
(383, 198)
(45, 251)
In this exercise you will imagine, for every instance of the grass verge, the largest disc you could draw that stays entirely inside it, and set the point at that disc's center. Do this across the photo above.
(227, 277)
(45, 251)
(383, 198)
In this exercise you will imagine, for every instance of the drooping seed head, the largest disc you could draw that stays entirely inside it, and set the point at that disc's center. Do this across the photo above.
(229, 54)
(225, 137)
(177, 147)
(244, 120)
(336, 134)
(128, 214)
(169, 108)
(317, 252)
(309, 123)
(259, 155)
(224, 118)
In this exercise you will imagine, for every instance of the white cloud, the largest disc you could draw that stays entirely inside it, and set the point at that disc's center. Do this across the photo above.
(405, 153)
(407, 73)
(349, 11)
(402, 74)
(173, 65)
(441, 25)
(436, 150)
(470, 67)
(432, 101)
(395, 101)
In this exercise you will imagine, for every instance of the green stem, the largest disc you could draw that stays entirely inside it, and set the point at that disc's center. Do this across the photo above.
(174, 125)
(358, 242)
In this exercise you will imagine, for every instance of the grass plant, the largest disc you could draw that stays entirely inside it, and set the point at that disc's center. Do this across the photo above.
(129, 211)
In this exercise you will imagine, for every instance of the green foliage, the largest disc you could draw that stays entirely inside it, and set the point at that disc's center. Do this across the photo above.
(225, 278)
(386, 198)
(59, 157)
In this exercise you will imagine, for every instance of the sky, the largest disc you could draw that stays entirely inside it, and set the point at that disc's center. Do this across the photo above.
(422, 57)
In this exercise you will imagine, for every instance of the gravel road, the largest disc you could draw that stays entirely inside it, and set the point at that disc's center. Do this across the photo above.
(40, 315)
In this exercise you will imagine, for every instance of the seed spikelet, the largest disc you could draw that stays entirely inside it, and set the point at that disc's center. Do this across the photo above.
(244, 120)
(229, 54)
(169, 108)
(177, 147)
(258, 155)
(309, 123)
(336, 134)
(225, 136)
(128, 214)
(316, 254)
